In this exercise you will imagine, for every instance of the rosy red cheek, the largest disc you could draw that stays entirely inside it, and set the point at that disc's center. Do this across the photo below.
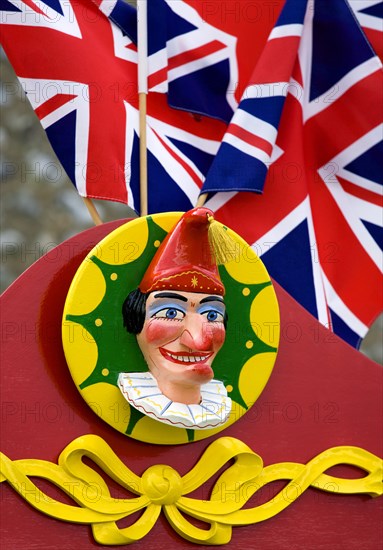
(219, 335)
(161, 331)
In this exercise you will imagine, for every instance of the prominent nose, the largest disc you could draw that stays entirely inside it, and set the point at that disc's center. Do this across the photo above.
(196, 334)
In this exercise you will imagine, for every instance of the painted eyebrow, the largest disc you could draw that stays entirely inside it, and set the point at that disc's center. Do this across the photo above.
(171, 295)
(212, 299)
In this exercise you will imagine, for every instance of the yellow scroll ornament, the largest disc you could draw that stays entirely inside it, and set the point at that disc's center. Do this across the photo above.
(162, 488)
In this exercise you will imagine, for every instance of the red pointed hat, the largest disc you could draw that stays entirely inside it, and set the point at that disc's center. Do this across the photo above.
(185, 260)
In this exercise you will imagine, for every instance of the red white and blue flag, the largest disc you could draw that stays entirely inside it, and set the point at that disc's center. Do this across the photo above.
(248, 146)
(79, 71)
(318, 130)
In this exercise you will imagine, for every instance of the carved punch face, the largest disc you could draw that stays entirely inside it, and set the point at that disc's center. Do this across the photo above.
(182, 334)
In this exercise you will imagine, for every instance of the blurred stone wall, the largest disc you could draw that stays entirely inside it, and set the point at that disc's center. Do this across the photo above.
(39, 205)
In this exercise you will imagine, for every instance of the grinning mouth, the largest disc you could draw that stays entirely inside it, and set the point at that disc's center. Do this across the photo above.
(185, 357)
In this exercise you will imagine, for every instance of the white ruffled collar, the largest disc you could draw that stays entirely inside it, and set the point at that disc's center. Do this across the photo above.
(140, 389)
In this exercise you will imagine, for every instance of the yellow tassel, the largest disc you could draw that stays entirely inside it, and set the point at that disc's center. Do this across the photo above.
(223, 247)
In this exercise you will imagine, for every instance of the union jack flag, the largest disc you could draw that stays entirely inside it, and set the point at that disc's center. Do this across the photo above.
(318, 224)
(79, 71)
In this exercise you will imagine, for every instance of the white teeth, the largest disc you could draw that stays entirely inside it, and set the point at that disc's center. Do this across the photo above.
(187, 359)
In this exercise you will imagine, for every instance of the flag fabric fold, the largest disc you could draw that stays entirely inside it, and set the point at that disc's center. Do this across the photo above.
(249, 142)
(193, 62)
(318, 224)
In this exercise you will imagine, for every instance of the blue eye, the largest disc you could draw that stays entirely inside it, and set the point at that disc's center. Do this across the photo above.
(213, 316)
(169, 313)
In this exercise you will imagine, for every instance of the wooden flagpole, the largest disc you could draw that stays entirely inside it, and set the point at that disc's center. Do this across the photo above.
(202, 199)
(92, 211)
(142, 96)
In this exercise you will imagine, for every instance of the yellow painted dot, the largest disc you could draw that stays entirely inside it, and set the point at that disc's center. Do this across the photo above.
(105, 372)
(157, 243)
(254, 376)
(81, 351)
(114, 276)
(229, 388)
(80, 301)
(98, 322)
(246, 291)
(249, 344)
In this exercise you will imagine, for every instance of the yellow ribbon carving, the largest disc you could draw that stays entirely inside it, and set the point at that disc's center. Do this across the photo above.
(162, 488)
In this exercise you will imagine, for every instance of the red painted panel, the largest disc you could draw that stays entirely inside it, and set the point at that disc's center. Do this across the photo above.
(322, 393)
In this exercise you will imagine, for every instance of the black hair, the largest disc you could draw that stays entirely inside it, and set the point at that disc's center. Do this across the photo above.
(225, 319)
(134, 311)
